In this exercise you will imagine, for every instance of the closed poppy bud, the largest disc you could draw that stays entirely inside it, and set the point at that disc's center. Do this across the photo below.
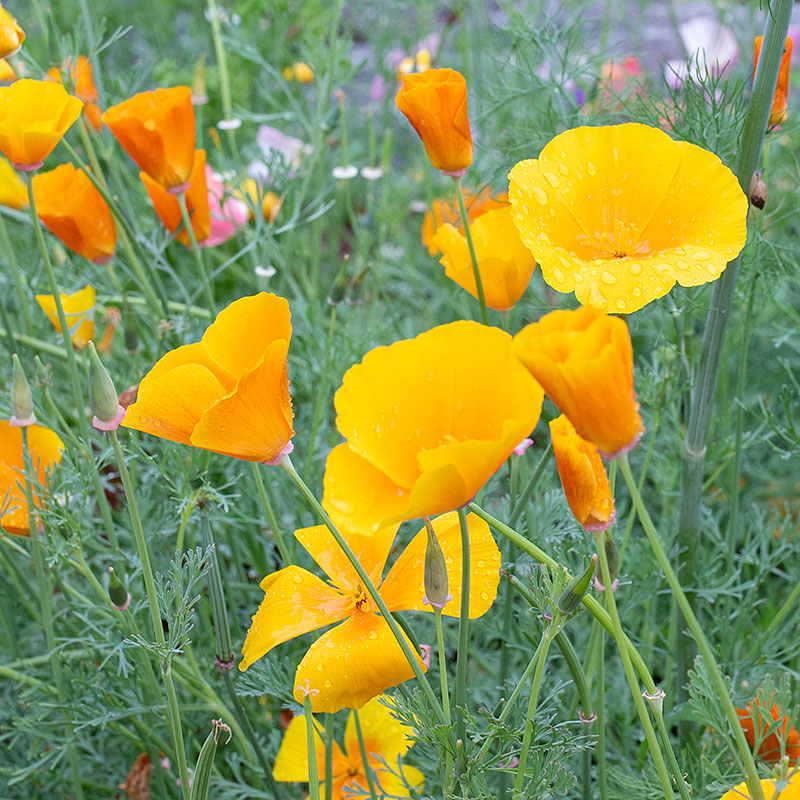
(435, 103)
(13, 192)
(79, 313)
(103, 398)
(34, 115)
(435, 575)
(199, 93)
(584, 361)
(168, 207)
(70, 207)
(79, 75)
(7, 72)
(11, 35)
(571, 597)
(780, 98)
(117, 593)
(21, 398)
(583, 476)
(157, 130)
(504, 263)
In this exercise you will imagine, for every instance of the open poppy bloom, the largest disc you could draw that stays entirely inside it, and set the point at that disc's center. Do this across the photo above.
(34, 115)
(505, 264)
(157, 130)
(386, 740)
(360, 658)
(79, 74)
(769, 746)
(229, 392)
(444, 211)
(428, 421)
(168, 207)
(11, 35)
(584, 361)
(71, 208)
(435, 103)
(79, 313)
(13, 192)
(619, 214)
(583, 476)
(780, 98)
(790, 790)
(45, 448)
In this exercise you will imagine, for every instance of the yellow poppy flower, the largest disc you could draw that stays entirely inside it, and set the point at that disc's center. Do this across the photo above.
(359, 658)
(427, 421)
(78, 311)
(619, 214)
(386, 739)
(11, 35)
(789, 789)
(13, 193)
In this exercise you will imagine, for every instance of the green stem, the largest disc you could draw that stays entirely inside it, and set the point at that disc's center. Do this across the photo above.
(448, 767)
(322, 399)
(532, 483)
(285, 547)
(329, 756)
(460, 696)
(602, 761)
(721, 688)
(363, 749)
(196, 252)
(471, 245)
(13, 265)
(222, 66)
(313, 769)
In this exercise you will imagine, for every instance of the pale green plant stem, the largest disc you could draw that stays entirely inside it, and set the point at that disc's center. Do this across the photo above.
(222, 66)
(172, 305)
(448, 766)
(322, 392)
(329, 756)
(38, 345)
(719, 311)
(172, 708)
(460, 692)
(369, 586)
(519, 505)
(13, 266)
(364, 757)
(722, 690)
(602, 765)
(313, 770)
(45, 602)
(196, 252)
(285, 547)
(471, 245)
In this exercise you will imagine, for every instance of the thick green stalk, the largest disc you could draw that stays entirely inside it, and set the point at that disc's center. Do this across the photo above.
(471, 245)
(448, 765)
(313, 769)
(460, 696)
(196, 252)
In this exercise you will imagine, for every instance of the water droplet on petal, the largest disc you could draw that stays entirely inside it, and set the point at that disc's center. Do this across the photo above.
(635, 268)
(608, 279)
(591, 168)
(540, 195)
(552, 179)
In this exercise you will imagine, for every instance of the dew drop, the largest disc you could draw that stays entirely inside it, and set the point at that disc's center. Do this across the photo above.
(563, 169)
(481, 563)
(591, 168)
(637, 291)
(681, 264)
(621, 304)
(608, 279)
(552, 179)
(702, 255)
(484, 595)
(327, 684)
(635, 268)
(540, 195)
(557, 275)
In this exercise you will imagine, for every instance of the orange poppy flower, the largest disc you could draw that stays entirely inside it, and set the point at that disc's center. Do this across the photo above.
(70, 207)
(427, 421)
(619, 214)
(157, 130)
(443, 211)
(79, 313)
(45, 449)
(386, 739)
(360, 657)
(34, 115)
(435, 103)
(11, 35)
(583, 476)
(168, 207)
(769, 746)
(229, 392)
(789, 790)
(780, 99)
(584, 361)
(79, 73)
(505, 264)
(13, 192)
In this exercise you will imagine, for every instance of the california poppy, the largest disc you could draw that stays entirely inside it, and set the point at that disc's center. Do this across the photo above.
(11, 35)
(79, 73)
(157, 130)
(71, 208)
(360, 658)
(427, 422)
(45, 450)
(788, 790)
(504, 263)
(584, 361)
(619, 214)
(780, 99)
(229, 392)
(13, 192)
(769, 746)
(435, 103)
(386, 740)
(583, 476)
(34, 115)
(78, 311)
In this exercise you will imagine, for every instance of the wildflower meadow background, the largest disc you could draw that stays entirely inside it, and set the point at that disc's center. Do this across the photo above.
(401, 400)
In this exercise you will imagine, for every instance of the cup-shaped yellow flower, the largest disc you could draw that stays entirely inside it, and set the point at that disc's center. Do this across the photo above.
(229, 392)
(584, 361)
(359, 658)
(45, 449)
(427, 421)
(435, 103)
(620, 214)
(386, 739)
(11, 35)
(583, 476)
(78, 311)
(790, 790)
(13, 193)
(34, 115)
(505, 264)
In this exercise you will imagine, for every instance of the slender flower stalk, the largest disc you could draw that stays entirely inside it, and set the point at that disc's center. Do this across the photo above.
(448, 759)
(313, 769)
(460, 697)
(285, 547)
(473, 256)
(198, 255)
(363, 749)
(224, 79)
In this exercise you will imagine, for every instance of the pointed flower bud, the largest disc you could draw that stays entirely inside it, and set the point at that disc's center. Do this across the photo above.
(435, 579)
(576, 589)
(21, 398)
(108, 413)
(118, 594)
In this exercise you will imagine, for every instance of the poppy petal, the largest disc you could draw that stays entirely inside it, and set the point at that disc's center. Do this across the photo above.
(193, 353)
(383, 734)
(291, 763)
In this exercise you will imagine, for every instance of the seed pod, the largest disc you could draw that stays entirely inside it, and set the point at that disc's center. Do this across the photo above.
(435, 578)
(758, 189)
(120, 597)
(571, 596)
(21, 398)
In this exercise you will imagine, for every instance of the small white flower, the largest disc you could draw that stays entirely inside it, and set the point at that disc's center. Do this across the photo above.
(418, 206)
(265, 272)
(345, 173)
(236, 20)
(371, 173)
(229, 124)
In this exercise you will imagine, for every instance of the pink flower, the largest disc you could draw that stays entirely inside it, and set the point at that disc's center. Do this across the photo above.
(228, 213)
(711, 46)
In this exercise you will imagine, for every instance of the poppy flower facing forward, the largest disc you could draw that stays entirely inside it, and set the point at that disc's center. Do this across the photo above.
(435, 103)
(229, 392)
(769, 745)
(620, 214)
(45, 449)
(359, 658)
(79, 74)
(386, 740)
(427, 421)
(777, 114)
(584, 361)
(79, 313)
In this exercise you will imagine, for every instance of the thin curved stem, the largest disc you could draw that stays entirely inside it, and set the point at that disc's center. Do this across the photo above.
(462, 656)
(471, 245)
